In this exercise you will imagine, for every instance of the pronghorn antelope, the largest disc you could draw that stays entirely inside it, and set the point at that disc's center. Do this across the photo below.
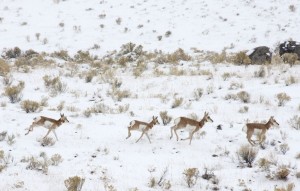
(251, 127)
(50, 124)
(141, 126)
(190, 125)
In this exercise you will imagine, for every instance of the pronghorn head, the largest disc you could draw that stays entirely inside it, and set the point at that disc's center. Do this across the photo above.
(155, 120)
(273, 121)
(207, 117)
(63, 118)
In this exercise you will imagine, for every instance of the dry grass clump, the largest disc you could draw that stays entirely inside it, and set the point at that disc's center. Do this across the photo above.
(74, 183)
(244, 109)
(4, 68)
(282, 98)
(231, 96)
(215, 57)
(244, 96)
(198, 92)
(177, 102)
(190, 176)
(173, 58)
(247, 154)
(14, 93)
(118, 94)
(290, 80)
(83, 57)
(54, 85)
(3, 135)
(47, 141)
(284, 147)
(282, 172)
(289, 187)
(5, 160)
(166, 119)
(235, 86)
(12, 53)
(261, 73)
(290, 58)
(30, 106)
(62, 54)
(294, 122)
(240, 58)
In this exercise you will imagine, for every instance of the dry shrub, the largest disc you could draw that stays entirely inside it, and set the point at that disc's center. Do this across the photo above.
(47, 141)
(166, 119)
(12, 53)
(30, 106)
(290, 80)
(190, 176)
(83, 56)
(118, 94)
(177, 56)
(264, 164)
(282, 98)
(284, 148)
(244, 96)
(261, 73)
(14, 93)
(235, 85)
(247, 154)
(177, 102)
(244, 109)
(290, 58)
(4, 68)
(215, 57)
(289, 187)
(54, 85)
(198, 93)
(295, 122)
(282, 172)
(176, 71)
(276, 59)
(240, 58)
(3, 135)
(74, 183)
(56, 159)
(62, 54)
(231, 97)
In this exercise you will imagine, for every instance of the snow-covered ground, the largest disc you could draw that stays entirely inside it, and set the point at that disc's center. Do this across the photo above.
(96, 148)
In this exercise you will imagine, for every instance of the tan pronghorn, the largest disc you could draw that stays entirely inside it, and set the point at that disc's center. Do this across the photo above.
(190, 125)
(50, 124)
(251, 127)
(141, 126)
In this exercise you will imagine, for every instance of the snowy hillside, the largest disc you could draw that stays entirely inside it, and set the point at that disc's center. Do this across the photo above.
(47, 25)
(101, 93)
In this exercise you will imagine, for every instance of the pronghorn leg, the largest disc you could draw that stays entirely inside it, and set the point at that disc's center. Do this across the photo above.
(191, 137)
(30, 128)
(249, 135)
(148, 137)
(140, 136)
(262, 138)
(129, 134)
(55, 134)
(172, 129)
(47, 133)
(176, 134)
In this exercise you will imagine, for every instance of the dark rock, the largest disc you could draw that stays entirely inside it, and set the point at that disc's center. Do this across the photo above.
(261, 55)
(290, 47)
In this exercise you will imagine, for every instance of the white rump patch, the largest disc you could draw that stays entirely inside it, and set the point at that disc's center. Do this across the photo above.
(177, 120)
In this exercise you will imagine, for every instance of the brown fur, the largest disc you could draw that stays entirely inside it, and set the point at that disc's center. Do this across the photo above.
(184, 122)
(43, 120)
(136, 125)
(264, 127)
